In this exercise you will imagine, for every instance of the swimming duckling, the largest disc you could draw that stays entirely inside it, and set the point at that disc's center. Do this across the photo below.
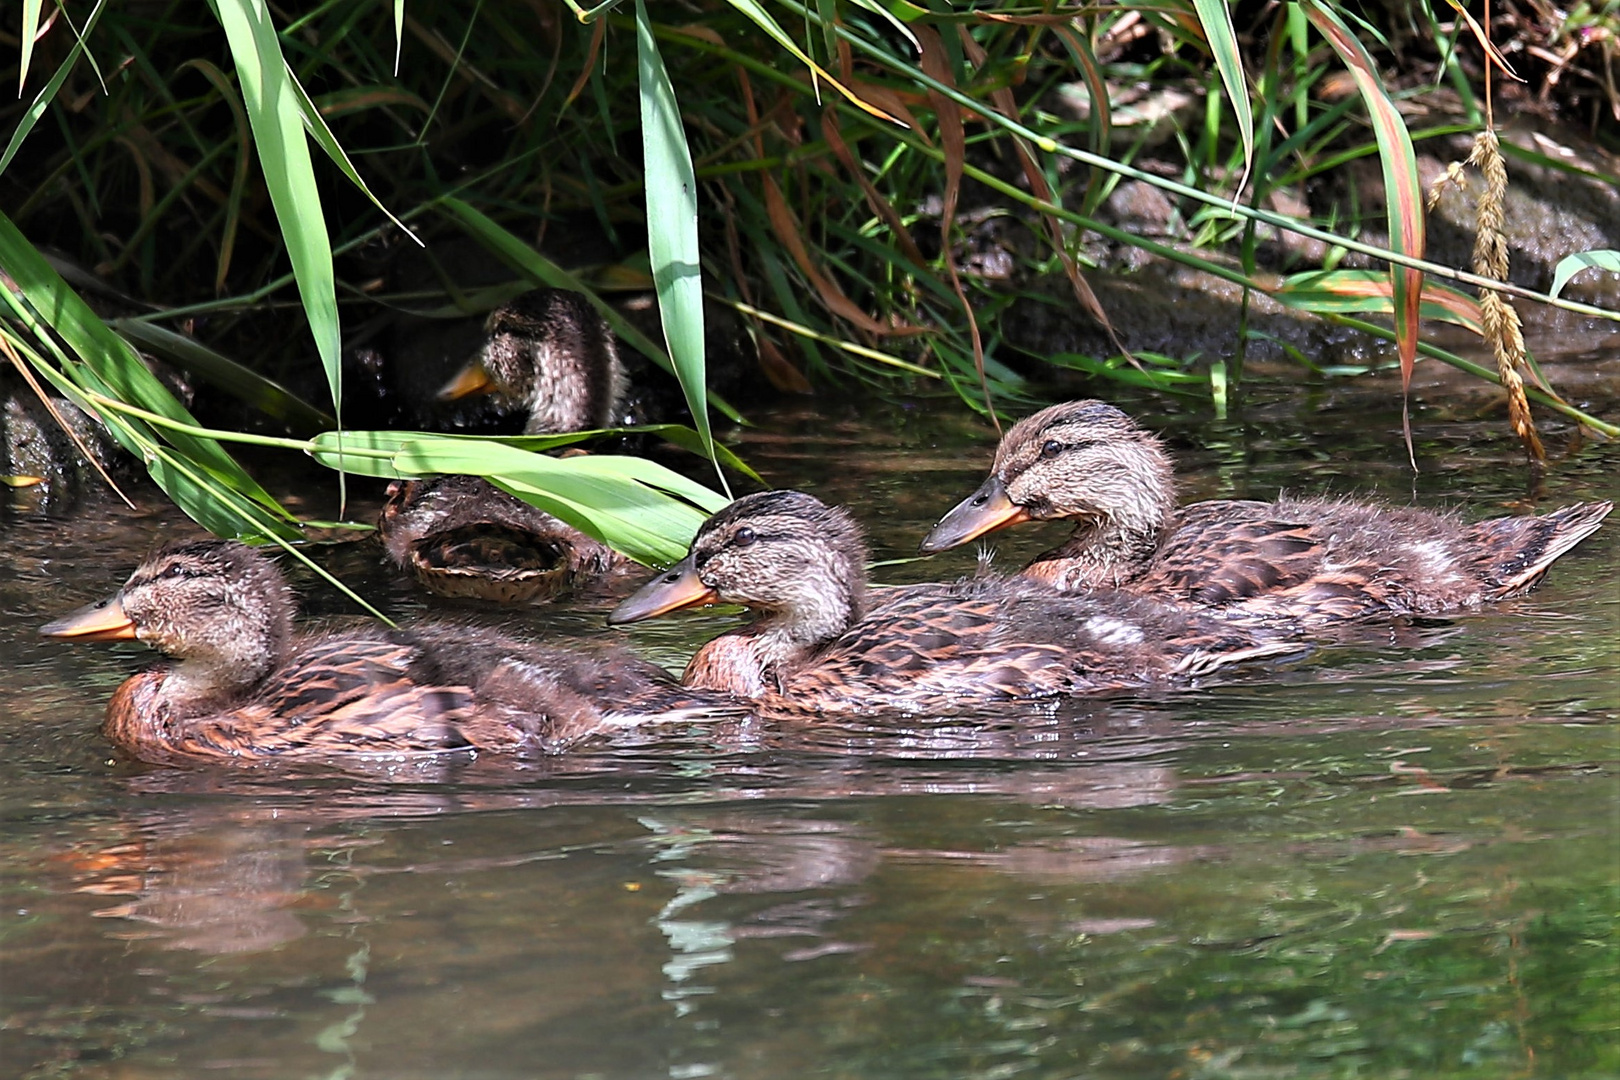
(1320, 559)
(248, 686)
(822, 642)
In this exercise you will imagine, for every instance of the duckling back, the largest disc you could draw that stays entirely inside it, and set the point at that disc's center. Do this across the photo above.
(944, 647)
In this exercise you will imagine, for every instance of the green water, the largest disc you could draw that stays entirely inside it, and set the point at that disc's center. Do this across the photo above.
(1399, 856)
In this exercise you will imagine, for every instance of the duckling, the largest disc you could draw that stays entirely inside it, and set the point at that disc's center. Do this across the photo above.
(463, 536)
(247, 686)
(1320, 559)
(551, 354)
(822, 641)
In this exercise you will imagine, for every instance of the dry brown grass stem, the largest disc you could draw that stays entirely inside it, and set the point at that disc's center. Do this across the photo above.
(1499, 320)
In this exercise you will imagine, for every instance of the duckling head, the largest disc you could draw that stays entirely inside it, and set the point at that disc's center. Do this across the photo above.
(550, 352)
(219, 607)
(1082, 460)
(798, 563)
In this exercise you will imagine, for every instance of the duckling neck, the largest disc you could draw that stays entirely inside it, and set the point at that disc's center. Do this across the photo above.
(758, 658)
(787, 637)
(218, 671)
(1102, 552)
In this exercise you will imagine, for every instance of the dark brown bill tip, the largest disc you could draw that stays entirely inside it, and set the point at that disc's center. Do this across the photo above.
(102, 621)
(676, 588)
(986, 510)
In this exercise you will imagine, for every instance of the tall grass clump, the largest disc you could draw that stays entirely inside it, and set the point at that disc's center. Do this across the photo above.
(817, 172)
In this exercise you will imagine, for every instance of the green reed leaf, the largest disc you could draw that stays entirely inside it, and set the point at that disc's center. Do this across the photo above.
(1216, 17)
(47, 93)
(672, 232)
(1403, 194)
(221, 371)
(1570, 265)
(275, 112)
(112, 367)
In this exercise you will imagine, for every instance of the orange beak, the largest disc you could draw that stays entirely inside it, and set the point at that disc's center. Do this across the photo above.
(470, 380)
(102, 621)
(676, 588)
(986, 510)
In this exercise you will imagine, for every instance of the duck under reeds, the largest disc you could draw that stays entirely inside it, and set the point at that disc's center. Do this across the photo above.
(462, 536)
(822, 642)
(551, 355)
(248, 686)
(1313, 558)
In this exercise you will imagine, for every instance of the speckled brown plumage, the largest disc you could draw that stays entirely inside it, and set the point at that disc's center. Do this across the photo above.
(550, 353)
(1320, 559)
(247, 686)
(822, 642)
(463, 536)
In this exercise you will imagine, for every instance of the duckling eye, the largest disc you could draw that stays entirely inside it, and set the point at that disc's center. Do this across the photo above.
(743, 537)
(175, 570)
(1052, 449)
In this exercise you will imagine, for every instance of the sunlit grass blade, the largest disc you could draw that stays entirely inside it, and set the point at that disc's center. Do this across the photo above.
(275, 112)
(1372, 291)
(30, 30)
(635, 505)
(109, 358)
(672, 225)
(212, 504)
(644, 522)
(1216, 17)
(325, 446)
(47, 93)
(761, 18)
(1403, 194)
(315, 124)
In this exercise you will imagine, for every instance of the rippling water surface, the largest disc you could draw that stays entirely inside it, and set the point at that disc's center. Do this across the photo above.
(1395, 857)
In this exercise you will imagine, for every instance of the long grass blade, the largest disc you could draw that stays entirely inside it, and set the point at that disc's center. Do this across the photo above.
(30, 30)
(762, 18)
(1216, 17)
(113, 364)
(315, 124)
(1403, 194)
(244, 384)
(1372, 291)
(672, 226)
(275, 112)
(47, 93)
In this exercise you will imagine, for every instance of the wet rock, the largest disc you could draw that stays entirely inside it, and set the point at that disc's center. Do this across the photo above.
(42, 450)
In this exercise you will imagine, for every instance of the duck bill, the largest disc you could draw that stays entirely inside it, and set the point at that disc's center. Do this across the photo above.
(470, 380)
(103, 621)
(676, 588)
(986, 510)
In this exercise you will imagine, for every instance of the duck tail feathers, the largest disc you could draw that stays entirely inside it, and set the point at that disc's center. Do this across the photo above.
(1536, 543)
